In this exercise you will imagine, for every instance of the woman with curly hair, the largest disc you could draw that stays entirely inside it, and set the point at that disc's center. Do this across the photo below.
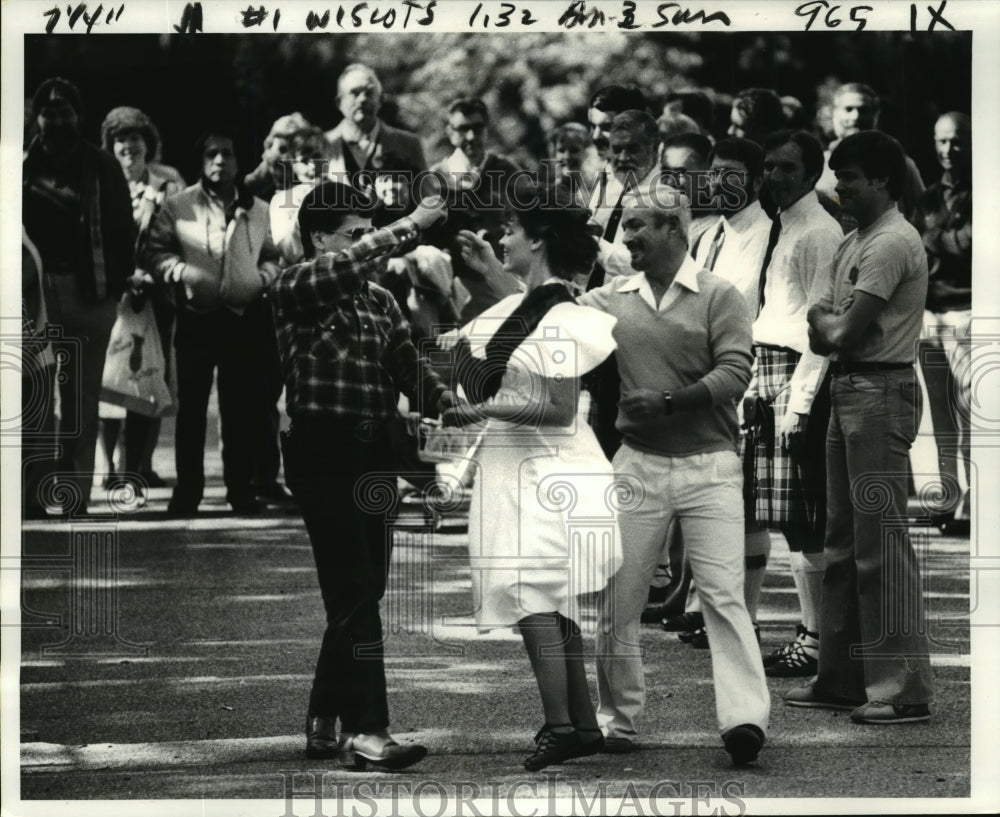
(540, 468)
(132, 138)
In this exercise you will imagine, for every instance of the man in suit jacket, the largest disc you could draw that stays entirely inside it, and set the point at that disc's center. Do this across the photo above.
(212, 242)
(362, 142)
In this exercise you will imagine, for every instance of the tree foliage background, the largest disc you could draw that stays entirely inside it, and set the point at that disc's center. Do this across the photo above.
(531, 81)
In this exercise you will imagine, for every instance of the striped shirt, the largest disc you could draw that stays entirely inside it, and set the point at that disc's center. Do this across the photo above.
(345, 346)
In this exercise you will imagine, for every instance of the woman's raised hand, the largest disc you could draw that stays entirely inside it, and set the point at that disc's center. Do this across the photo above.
(478, 254)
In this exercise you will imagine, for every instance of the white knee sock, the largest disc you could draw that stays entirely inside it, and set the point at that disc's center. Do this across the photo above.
(807, 571)
(757, 547)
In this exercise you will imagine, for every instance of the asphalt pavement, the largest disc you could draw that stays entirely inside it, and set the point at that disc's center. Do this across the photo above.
(171, 659)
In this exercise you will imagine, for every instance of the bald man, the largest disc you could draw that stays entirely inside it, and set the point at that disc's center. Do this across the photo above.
(684, 356)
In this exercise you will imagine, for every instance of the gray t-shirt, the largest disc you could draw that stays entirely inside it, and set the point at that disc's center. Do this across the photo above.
(887, 260)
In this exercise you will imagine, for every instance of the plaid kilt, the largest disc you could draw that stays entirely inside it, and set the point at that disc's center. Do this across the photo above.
(786, 491)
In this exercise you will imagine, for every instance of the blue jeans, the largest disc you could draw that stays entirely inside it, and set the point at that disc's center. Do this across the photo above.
(873, 639)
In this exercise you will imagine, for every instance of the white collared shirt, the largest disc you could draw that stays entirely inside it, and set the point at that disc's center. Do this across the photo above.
(800, 272)
(742, 252)
(686, 278)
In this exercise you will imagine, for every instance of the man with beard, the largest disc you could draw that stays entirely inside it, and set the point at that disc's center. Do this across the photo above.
(684, 162)
(77, 210)
(633, 149)
(734, 250)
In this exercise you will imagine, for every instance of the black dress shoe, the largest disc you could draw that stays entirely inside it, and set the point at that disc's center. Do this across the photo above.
(245, 505)
(684, 623)
(358, 751)
(321, 738)
(659, 613)
(743, 743)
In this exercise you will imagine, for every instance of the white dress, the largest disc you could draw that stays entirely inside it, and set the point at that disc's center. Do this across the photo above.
(542, 525)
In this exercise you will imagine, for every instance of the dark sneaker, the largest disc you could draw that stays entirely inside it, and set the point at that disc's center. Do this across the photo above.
(743, 743)
(878, 714)
(808, 696)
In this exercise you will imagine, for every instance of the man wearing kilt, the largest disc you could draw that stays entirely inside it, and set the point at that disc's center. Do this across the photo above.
(788, 403)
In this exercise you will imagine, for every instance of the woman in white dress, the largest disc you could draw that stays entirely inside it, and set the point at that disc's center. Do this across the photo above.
(542, 530)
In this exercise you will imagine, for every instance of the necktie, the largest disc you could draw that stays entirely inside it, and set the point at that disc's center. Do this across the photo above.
(713, 251)
(614, 220)
(772, 241)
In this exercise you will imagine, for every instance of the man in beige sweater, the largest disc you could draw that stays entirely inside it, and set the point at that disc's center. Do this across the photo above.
(683, 352)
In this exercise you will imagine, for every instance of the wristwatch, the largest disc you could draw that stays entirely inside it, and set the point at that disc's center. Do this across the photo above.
(668, 401)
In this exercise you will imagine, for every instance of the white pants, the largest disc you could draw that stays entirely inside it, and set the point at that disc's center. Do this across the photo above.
(705, 493)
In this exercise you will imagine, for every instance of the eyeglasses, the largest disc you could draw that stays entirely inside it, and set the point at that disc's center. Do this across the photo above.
(357, 233)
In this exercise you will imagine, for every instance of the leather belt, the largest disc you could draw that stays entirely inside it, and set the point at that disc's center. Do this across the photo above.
(858, 366)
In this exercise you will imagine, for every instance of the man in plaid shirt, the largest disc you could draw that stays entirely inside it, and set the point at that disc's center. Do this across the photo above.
(346, 354)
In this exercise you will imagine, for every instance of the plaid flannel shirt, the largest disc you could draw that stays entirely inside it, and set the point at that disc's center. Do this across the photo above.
(345, 346)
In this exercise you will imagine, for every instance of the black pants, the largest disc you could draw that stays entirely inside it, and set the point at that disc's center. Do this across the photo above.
(204, 343)
(342, 477)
